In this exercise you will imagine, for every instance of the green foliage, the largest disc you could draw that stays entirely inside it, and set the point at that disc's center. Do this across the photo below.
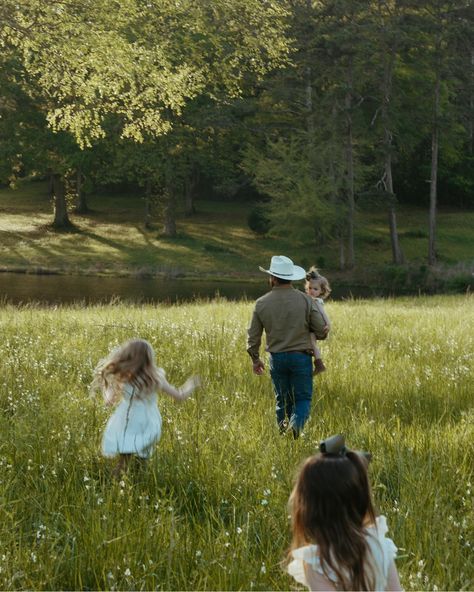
(257, 219)
(210, 510)
(299, 204)
(143, 63)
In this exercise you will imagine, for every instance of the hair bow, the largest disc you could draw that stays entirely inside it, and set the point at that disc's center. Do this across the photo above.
(337, 445)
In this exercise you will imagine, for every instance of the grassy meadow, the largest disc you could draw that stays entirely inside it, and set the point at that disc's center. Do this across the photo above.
(209, 511)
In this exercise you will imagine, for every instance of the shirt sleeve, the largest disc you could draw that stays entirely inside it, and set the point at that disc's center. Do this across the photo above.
(320, 304)
(306, 569)
(254, 336)
(317, 322)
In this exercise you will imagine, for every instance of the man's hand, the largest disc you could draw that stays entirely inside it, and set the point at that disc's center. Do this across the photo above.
(258, 367)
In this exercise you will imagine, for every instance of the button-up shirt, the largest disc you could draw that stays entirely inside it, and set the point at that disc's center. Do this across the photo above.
(288, 317)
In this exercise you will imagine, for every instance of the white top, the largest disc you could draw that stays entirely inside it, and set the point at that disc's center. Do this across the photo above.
(382, 552)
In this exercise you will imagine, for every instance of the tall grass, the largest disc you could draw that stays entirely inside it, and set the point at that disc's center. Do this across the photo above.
(209, 511)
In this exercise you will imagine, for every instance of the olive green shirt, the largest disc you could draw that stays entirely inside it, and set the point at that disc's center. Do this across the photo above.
(288, 316)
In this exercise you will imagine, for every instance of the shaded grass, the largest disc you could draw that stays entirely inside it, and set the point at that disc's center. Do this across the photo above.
(217, 240)
(209, 511)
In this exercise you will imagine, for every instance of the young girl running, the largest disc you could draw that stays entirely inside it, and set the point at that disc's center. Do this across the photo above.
(317, 286)
(129, 377)
(338, 544)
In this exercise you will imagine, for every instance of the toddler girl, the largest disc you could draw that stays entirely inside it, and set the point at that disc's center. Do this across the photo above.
(317, 286)
(338, 544)
(129, 377)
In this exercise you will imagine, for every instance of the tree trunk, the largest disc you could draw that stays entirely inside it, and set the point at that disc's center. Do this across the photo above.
(169, 218)
(471, 110)
(61, 218)
(342, 253)
(189, 188)
(148, 191)
(434, 170)
(350, 171)
(397, 255)
(81, 200)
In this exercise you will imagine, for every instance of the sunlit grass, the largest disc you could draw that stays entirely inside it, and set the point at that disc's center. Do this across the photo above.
(209, 511)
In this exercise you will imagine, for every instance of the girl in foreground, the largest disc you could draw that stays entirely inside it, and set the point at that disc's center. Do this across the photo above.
(129, 377)
(338, 543)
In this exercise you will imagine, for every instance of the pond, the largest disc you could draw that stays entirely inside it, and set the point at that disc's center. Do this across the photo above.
(63, 289)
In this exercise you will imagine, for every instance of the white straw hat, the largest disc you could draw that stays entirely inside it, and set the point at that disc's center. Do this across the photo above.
(282, 267)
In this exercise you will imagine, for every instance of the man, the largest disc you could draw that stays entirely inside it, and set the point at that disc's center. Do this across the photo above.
(288, 316)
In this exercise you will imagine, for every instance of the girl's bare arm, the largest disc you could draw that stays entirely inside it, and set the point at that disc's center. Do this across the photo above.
(184, 391)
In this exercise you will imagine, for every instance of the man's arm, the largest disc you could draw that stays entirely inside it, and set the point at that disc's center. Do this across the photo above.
(254, 337)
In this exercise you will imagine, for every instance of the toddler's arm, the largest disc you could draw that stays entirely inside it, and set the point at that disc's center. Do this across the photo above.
(184, 391)
(314, 345)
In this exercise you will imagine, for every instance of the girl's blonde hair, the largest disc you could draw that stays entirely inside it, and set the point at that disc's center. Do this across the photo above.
(314, 277)
(132, 363)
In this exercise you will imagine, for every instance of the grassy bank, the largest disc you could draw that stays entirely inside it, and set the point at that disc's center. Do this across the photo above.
(209, 512)
(216, 242)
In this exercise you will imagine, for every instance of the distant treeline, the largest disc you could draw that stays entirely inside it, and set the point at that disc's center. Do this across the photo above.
(312, 108)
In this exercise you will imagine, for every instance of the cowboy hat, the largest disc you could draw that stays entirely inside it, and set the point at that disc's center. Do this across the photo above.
(282, 267)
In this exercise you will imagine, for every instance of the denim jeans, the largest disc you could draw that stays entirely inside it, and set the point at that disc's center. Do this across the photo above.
(292, 377)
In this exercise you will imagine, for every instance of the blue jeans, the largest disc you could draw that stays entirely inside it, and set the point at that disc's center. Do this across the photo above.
(292, 377)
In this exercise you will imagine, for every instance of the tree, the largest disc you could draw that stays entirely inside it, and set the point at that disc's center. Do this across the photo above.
(141, 63)
(388, 38)
(437, 30)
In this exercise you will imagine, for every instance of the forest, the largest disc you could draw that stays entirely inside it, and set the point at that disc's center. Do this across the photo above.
(310, 110)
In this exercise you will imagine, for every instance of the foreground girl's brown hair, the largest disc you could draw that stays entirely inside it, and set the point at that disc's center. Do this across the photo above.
(331, 506)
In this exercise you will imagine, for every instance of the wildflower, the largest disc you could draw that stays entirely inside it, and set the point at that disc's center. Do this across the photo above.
(263, 568)
(127, 573)
(239, 530)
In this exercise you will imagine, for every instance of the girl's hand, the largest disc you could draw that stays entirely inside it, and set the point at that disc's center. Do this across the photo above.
(194, 381)
(190, 385)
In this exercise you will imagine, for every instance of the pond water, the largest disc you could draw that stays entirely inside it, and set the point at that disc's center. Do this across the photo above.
(62, 289)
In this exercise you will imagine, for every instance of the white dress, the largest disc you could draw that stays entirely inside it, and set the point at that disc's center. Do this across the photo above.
(135, 425)
(382, 553)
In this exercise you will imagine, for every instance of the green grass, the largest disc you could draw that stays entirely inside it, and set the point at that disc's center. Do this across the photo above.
(216, 241)
(209, 511)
